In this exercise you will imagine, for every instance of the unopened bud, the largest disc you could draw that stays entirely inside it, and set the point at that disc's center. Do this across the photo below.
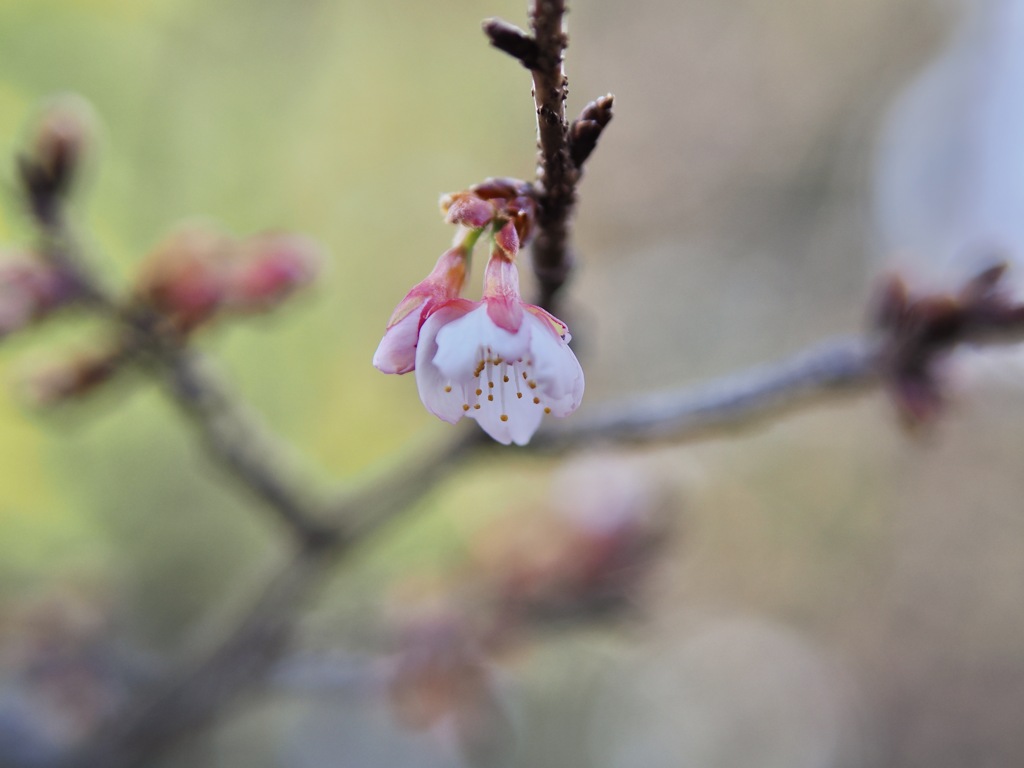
(467, 209)
(184, 278)
(269, 268)
(60, 141)
(507, 239)
(29, 290)
(72, 377)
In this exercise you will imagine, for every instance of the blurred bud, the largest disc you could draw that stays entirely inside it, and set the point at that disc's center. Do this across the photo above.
(589, 554)
(60, 141)
(29, 290)
(919, 333)
(434, 668)
(185, 277)
(442, 682)
(71, 377)
(269, 268)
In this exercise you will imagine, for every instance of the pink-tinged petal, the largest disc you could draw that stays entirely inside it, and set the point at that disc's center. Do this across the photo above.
(557, 325)
(413, 301)
(397, 350)
(441, 394)
(507, 239)
(501, 293)
(556, 368)
(470, 341)
(505, 313)
(469, 211)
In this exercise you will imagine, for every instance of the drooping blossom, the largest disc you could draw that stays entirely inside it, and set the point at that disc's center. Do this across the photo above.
(500, 361)
(397, 350)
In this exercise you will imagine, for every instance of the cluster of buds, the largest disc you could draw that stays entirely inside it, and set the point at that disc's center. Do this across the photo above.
(195, 275)
(30, 290)
(500, 361)
(919, 330)
(198, 273)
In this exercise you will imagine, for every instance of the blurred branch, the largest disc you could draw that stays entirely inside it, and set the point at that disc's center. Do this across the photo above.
(232, 439)
(835, 367)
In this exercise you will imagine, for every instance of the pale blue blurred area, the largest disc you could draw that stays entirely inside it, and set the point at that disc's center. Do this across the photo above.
(950, 178)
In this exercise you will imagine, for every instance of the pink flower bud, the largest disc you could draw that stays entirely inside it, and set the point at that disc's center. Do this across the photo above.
(185, 277)
(270, 268)
(72, 377)
(397, 350)
(29, 290)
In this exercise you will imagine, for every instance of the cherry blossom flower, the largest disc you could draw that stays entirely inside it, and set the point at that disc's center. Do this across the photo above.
(397, 350)
(500, 361)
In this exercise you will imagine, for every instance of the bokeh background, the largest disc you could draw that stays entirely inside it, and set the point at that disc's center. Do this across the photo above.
(828, 590)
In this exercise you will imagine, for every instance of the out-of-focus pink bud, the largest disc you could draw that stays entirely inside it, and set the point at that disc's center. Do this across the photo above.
(29, 290)
(59, 141)
(71, 377)
(185, 277)
(269, 268)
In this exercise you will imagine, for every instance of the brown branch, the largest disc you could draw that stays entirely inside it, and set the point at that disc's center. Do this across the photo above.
(556, 174)
(233, 440)
(562, 149)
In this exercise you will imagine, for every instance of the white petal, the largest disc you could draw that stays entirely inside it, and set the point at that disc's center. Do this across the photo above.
(555, 367)
(397, 350)
(460, 342)
(441, 395)
(507, 411)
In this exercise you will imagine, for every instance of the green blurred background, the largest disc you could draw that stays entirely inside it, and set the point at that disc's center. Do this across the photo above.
(836, 592)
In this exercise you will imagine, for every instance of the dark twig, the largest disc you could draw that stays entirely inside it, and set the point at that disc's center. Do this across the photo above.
(556, 174)
(513, 41)
(562, 148)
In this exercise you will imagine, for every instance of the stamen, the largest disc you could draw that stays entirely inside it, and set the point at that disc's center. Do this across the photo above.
(448, 388)
(465, 406)
(547, 410)
(504, 417)
(536, 401)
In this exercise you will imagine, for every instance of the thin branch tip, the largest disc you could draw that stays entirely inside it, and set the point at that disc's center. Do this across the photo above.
(510, 39)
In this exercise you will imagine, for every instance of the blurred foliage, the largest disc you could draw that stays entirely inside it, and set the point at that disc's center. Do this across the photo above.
(341, 120)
